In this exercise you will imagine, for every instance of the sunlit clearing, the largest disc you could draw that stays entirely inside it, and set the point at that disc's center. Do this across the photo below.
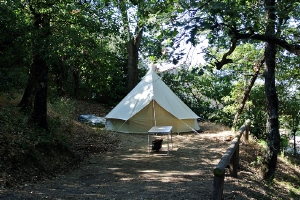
(149, 171)
(225, 133)
(166, 177)
(134, 156)
(114, 169)
(126, 179)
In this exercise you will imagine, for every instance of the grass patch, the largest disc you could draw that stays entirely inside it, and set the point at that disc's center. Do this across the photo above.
(294, 190)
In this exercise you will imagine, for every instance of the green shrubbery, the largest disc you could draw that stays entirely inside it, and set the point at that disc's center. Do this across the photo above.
(217, 96)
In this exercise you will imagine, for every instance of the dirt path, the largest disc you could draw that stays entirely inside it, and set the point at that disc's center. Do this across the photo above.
(130, 173)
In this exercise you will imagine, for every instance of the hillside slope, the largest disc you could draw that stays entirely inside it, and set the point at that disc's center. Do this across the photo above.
(29, 154)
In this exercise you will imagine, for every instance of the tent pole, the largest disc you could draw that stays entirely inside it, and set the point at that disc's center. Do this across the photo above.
(154, 116)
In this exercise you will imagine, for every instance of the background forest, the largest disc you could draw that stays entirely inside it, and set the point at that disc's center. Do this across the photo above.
(228, 60)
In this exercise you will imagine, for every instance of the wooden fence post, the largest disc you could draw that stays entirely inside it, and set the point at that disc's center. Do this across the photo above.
(246, 134)
(219, 171)
(234, 162)
(231, 157)
(218, 187)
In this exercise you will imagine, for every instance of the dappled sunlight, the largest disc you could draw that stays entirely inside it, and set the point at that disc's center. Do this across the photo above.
(240, 189)
(145, 93)
(114, 169)
(148, 171)
(130, 172)
(151, 187)
(169, 176)
(126, 179)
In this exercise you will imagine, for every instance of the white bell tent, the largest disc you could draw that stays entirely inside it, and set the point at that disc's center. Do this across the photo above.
(151, 103)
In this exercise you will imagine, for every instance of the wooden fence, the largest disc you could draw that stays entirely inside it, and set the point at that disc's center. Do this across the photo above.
(230, 157)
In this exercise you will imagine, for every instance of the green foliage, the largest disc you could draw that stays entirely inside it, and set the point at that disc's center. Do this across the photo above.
(288, 93)
(84, 41)
(183, 85)
(284, 141)
(17, 125)
(89, 47)
(257, 112)
(13, 47)
(107, 87)
(224, 20)
(203, 92)
(257, 162)
(262, 143)
(87, 53)
(63, 107)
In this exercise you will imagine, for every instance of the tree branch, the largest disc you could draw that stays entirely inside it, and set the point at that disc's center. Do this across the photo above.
(247, 91)
(224, 60)
(293, 48)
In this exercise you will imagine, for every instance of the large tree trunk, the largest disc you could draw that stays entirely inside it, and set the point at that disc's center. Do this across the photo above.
(27, 100)
(132, 45)
(40, 68)
(273, 136)
(39, 114)
(133, 58)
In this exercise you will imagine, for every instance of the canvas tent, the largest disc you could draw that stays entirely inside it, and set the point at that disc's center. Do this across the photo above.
(151, 103)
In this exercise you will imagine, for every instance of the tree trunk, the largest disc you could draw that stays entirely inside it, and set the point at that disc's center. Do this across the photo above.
(247, 92)
(132, 45)
(42, 31)
(39, 114)
(133, 58)
(26, 102)
(273, 136)
(295, 144)
(295, 124)
(76, 81)
(59, 80)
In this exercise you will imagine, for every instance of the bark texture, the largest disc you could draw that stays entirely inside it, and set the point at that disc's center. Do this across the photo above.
(273, 136)
(39, 114)
(133, 58)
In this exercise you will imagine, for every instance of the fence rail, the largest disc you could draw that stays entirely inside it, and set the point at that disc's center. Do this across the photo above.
(231, 157)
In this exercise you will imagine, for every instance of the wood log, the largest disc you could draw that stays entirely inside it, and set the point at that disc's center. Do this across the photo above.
(231, 155)
(246, 134)
(218, 186)
(220, 169)
(234, 163)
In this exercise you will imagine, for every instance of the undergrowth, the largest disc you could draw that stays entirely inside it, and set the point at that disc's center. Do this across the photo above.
(30, 154)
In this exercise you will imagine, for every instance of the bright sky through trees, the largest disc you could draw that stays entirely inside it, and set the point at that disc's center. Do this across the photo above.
(192, 55)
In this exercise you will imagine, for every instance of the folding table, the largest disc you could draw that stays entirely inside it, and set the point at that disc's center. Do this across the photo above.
(160, 130)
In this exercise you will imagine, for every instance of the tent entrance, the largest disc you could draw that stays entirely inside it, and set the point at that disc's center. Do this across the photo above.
(151, 115)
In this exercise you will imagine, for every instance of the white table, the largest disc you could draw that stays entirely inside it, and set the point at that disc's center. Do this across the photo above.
(160, 130)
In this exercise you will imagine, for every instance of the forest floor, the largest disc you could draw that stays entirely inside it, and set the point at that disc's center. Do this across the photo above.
(118, 166)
